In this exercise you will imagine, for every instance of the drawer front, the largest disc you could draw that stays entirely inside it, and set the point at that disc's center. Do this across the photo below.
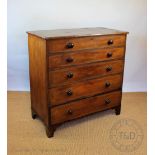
(84, 107)
(72, 44)
(72, 74)
(85, 56)
(65, 93)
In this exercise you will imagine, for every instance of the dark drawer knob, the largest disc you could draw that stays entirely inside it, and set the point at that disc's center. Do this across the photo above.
(107, 84)
(107, 101)
(109, 54)
(110, 42)
(108, 69)
(70, 112)
(70, 45)
(69, 59)
(69, 92)
(70, 75)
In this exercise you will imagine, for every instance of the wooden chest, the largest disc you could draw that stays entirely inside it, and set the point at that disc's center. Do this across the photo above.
(74, 73)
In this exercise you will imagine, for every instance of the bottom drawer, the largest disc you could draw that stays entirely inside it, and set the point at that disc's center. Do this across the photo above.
(84, 107)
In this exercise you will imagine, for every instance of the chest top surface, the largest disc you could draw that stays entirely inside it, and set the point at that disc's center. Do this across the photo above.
(65, 33)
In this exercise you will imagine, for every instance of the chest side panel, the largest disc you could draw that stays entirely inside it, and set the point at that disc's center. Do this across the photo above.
(38, 76)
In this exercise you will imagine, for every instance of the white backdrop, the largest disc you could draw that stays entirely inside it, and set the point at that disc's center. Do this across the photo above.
(127, 15)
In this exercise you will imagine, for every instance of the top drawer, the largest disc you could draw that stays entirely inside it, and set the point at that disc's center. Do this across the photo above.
(71, 44)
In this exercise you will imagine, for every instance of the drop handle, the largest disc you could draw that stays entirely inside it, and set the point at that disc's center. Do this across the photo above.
(69, 45)
(70, 112)
(108, 68)
(107, 101)
(107, 84)
(69, 92)
(69, 59)
(110, 42)
(69, 75)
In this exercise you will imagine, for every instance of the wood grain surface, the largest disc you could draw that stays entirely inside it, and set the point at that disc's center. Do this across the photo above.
(85, 56)
(59, 94)
(74, 74)
(75, 32)
(38, 76)
(60, 45)
(84, 107)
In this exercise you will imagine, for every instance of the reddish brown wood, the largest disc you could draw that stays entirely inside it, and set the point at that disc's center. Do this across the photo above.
(60, 45)
(74, 73)
(88, 71)
(38, 76)
(59, 95)
(84, 107)
(85, 56)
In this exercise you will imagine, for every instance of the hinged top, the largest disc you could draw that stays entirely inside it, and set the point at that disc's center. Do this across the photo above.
(49, 34)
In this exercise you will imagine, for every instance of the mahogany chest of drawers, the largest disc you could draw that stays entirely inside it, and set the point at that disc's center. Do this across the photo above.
(74, 73)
